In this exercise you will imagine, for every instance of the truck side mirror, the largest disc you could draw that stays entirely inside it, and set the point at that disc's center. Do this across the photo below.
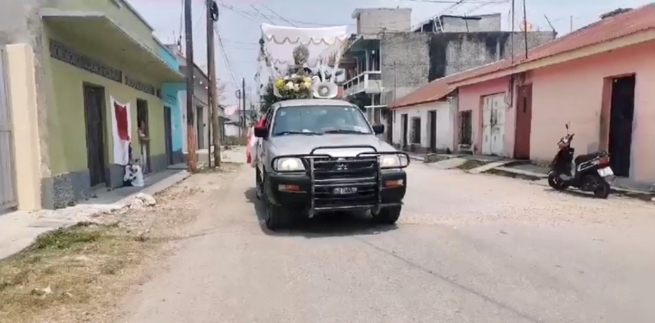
(261, 132)
(378, 129)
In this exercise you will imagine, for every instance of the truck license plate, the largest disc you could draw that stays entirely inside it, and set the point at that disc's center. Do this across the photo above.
(344, 190)
(604, 172)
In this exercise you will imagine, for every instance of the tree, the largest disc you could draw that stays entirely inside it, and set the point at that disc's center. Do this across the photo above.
(268, 99)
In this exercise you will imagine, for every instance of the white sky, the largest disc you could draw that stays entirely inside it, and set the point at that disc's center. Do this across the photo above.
(239, 25)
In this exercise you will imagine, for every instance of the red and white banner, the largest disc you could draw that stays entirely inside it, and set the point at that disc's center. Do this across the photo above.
(121, 129)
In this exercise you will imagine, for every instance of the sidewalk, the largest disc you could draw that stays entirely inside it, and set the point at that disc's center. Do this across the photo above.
(520, 169)
(19, 229)
(537, 173)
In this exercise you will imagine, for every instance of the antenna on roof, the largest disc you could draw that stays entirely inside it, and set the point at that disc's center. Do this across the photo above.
(550, 24)
(525, 29)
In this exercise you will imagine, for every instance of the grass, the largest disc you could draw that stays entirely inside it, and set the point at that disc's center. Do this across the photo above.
(434, 158)
(512, 175)
(470, 164)
(65, 268)
(225, 167)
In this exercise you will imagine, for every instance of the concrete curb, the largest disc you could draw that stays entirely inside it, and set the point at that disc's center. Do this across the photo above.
(509, 172)
(35, 231)
(532, 176)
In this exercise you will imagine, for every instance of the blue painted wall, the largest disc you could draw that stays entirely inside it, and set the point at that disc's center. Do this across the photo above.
(169, 58)
(169, 93)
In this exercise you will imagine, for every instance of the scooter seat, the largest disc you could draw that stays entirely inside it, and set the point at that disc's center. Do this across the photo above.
(585, 158)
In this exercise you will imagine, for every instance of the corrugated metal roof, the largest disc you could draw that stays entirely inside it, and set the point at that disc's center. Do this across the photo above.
(621, 25)
(430, 92)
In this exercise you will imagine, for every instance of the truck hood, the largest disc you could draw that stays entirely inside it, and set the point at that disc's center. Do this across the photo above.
(301, 144)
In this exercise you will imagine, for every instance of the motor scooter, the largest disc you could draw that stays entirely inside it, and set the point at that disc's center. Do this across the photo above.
(589, 173)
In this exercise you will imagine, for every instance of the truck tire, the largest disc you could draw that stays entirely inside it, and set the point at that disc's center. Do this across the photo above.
(277, 217)
(388, 215)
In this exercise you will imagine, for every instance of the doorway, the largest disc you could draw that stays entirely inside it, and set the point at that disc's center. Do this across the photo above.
(168, 134)
(404, 125)
(142, 121)
(622, 108)
(523, 122)
(200, 126)
(432, 119)
(493, 125)
(389, 130)
(95, 127)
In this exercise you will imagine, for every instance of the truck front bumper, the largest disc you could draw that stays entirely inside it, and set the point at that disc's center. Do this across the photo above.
(300, 191)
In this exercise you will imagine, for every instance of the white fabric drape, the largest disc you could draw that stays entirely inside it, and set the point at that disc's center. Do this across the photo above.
(280, 41)
(121, 147)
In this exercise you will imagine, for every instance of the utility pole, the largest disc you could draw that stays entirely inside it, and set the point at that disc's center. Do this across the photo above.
(188, 33)
(525, 29)
(243, 102)
(215, 135)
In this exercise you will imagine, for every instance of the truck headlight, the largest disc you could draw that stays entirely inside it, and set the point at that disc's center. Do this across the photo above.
(290, 164)
(391, 161)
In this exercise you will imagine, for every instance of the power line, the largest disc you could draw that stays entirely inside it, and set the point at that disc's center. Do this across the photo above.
(261, 14)
(256, 17)
(455, 1)
(275, 13)
(227, 59)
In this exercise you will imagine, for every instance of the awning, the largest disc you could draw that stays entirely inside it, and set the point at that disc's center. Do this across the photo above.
(98, 30)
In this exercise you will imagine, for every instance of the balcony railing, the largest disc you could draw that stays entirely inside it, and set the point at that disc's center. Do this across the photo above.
(369, 82)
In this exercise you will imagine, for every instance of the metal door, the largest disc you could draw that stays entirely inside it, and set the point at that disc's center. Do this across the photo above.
(8, 197)
(523, 122)
(95, 143)
(493, 126)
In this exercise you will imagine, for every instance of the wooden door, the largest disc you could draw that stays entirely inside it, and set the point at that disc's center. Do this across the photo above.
(432, 117)
(200, 128)
(404, 126)
(95, 126)
(523, 122)
(168, 135)
(389, 130)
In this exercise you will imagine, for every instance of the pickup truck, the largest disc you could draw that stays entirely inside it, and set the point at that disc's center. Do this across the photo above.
(322, 155)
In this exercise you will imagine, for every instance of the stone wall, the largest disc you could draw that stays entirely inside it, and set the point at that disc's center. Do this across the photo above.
(411, 60)
(372, 21)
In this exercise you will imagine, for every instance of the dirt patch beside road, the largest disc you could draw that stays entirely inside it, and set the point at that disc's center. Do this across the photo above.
(78, 274)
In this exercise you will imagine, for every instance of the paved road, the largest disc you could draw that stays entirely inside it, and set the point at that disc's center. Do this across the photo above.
(469, 248)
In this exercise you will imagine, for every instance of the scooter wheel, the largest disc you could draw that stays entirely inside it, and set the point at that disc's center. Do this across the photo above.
(555, 182)
(602, 189)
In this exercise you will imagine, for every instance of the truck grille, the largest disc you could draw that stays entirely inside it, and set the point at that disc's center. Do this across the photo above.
(333, 173)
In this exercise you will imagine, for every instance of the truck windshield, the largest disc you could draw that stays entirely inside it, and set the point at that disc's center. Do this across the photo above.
(312, 120)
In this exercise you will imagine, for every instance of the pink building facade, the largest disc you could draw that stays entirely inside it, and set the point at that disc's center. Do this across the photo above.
(472, 98)
(580, 92)
(607, 98)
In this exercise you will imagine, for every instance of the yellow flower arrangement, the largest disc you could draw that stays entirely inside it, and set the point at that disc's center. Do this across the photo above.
(294, 87)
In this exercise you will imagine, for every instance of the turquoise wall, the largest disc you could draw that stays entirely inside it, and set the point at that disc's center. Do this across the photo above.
(169, 93)
(169, 58)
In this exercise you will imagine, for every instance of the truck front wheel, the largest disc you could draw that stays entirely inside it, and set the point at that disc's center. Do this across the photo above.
(277, 217)
(387, 215)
